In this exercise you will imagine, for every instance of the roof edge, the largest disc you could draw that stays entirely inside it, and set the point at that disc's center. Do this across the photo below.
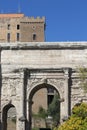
(12, 15)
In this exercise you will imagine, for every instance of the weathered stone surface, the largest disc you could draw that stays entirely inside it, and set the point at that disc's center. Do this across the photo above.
(43, 55)
(28, 67)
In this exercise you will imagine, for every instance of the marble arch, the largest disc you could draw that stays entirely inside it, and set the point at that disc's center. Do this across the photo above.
(34, 89)
(26, 65)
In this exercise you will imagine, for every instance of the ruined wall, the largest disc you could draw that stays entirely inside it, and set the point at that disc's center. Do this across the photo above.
(39, 100)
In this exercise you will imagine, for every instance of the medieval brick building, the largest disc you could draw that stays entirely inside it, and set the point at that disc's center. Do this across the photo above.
(19, 28)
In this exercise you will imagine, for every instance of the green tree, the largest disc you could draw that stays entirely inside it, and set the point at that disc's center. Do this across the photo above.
(42, 112)
(54, 109)
(78, 119)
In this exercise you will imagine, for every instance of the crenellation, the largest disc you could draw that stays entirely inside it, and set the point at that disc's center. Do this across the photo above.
(33, 20)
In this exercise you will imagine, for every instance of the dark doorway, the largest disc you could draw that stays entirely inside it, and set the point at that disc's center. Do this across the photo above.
(9, 118)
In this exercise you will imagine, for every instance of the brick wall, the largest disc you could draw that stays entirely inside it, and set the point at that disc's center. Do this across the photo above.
(31, 29)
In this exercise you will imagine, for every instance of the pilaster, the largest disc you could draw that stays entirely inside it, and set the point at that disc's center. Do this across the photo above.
(66, 91)
(22, 119)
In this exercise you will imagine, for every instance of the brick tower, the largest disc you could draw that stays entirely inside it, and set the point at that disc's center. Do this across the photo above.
(19, 28)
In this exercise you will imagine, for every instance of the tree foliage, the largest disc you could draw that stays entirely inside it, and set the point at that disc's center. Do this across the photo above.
(83, 78)
(80, 110)
(78, 120)
(42, 112)
(54, 109)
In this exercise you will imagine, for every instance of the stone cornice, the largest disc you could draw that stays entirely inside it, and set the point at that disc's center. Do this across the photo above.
(43, 45)
(50, 70)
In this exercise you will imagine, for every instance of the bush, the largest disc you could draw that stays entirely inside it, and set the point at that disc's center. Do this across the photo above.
(80, 110)
(78, 119)
(42, 112)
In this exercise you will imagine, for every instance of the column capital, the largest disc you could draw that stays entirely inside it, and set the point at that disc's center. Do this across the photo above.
(66, 72)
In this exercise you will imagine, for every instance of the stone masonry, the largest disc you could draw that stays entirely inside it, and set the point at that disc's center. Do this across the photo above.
(27, 67)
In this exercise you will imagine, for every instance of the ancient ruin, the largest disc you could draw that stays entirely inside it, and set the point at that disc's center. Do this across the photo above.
(27, 67)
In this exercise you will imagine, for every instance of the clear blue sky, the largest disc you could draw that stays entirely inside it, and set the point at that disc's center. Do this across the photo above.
(66, 20)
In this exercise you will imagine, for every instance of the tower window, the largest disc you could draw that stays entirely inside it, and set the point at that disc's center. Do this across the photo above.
(8, 37)
(34, 36)
(18, 36)
(8, 26)
(18, 26)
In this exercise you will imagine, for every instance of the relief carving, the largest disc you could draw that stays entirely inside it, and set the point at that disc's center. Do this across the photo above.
(13, 91)
(76, 83)
(35, 82)
(11, 87)
(58, 83)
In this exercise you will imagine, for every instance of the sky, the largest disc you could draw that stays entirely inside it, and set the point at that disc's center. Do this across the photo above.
(66, 20)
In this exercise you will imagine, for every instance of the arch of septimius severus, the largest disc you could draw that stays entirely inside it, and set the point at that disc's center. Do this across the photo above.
(27, 67)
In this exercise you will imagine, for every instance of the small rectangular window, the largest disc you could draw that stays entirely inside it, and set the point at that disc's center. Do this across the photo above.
(8, 26)
(18, 26)
(8, 37)
(18, 36)
(34, 36)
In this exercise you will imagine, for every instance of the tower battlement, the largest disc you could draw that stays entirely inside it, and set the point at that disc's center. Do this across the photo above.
(33, 19)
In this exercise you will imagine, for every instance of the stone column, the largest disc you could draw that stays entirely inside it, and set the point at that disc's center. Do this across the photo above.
(66, 92)
(22, 119)
(0, 87)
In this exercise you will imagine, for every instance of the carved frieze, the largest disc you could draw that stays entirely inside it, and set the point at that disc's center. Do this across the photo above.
(11, 87)
(58, 83)
(75, 83)
(33, 82)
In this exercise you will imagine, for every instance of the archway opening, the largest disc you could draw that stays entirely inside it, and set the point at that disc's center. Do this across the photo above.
(44, 106)
(9, 117)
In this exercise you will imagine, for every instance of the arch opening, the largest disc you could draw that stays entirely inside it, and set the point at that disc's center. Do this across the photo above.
(42, 97)
(9, 117)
